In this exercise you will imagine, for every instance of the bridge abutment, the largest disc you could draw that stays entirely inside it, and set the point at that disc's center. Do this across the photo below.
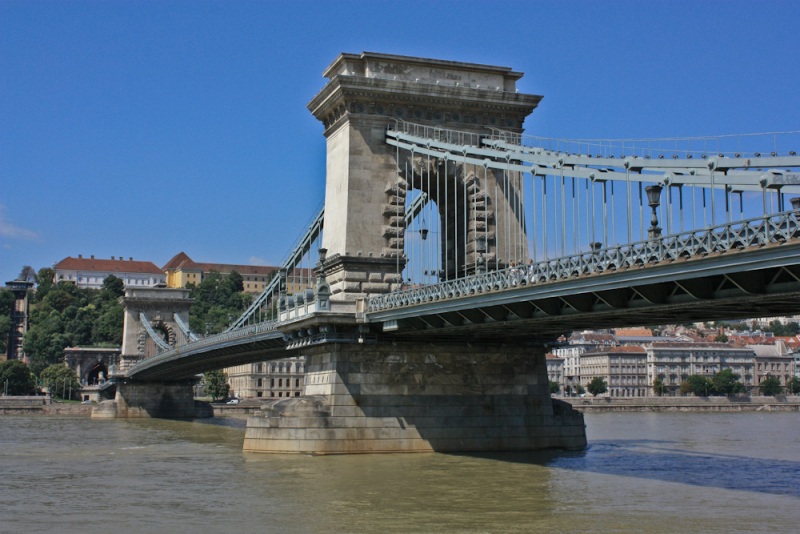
(419, 397)
(168, 400)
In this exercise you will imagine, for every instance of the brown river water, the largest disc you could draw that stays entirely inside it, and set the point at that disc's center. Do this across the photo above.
(642, 472)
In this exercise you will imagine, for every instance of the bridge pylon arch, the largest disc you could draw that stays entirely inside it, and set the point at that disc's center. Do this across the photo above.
(368, 180)
(161, 311)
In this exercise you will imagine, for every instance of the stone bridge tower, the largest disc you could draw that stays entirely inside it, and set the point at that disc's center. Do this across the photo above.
(367, 186)
(164, 312)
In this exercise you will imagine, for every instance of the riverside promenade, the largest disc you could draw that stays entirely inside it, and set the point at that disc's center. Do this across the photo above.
(783, 403)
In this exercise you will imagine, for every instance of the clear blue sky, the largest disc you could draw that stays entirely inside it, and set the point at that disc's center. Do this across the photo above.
(145, 128)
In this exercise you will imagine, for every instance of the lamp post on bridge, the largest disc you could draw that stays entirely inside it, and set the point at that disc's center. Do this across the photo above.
(654, 201)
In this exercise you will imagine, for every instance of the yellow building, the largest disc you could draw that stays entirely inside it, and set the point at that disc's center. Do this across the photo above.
(181, 270)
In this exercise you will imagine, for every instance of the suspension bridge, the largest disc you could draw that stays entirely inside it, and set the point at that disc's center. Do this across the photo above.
(452, 249)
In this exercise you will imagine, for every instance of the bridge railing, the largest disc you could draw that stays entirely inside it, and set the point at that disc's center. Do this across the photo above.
(228, 335)
(755, 232)
(444, 135)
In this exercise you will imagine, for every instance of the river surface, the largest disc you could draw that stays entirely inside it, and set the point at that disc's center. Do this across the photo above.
(643, 472)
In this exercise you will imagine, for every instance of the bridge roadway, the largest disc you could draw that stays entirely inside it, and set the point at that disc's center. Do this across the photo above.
(741, 270)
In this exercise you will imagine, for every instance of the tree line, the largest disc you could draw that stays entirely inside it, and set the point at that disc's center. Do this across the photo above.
(63, 315)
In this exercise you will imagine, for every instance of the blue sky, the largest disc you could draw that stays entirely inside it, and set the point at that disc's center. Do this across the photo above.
(142, 129)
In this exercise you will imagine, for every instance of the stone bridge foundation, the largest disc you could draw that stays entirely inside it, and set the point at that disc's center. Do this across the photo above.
(174, 400)
(419, 397)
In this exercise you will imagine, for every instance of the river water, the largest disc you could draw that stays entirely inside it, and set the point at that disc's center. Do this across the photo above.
(643, 472)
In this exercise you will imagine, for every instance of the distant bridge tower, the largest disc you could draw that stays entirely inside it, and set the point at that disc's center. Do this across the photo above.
(19, 318)
(366, 188)
(155, 319)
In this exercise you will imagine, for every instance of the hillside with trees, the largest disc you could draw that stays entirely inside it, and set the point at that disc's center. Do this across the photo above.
(64, 315)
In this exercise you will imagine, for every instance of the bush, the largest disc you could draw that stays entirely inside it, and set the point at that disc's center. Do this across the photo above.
(16, 378)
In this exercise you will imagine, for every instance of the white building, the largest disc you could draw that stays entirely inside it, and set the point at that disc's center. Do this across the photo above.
(623, 368)
(675, 362)
(91, 272)
(276, 378)
(773, 360)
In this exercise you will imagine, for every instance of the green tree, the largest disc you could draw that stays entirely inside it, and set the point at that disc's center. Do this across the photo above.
(721, 338)
(697, 385)
(659, 387)
(793, 385)
(216, 384)
(16, 378)
(554, 387)
(64, 315)
(61, 381)
(726, 382)
(6, 306)
(45, 280)
(217, 301)
(27, 274)
(597, 386)
(113, 285)
(770, 386)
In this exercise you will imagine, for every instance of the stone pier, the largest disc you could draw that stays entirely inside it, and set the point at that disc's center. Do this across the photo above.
(157, 399)
(419, 397)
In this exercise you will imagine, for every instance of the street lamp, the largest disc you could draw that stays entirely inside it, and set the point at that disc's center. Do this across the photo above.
(653, 200)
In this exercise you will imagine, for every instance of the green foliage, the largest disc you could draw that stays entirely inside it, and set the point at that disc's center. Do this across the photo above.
(27, 274)
(659, 387)
(218, 301)
(726, 382)
(61, 381)
(45, 280)
(788, 329)
(793, 385)
(64, 315)
(216, 384)
(697, 385)
(19, 377)
(6, 306)
(597, 386)
(770, 386)
(114, 286)
(554, 387)
(721, 338)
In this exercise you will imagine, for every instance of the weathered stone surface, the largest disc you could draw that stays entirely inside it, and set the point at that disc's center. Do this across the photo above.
(165, 400)
(415, 397)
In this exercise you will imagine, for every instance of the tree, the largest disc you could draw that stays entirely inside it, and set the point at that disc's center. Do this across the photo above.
(45, 280)
(597, 386)
(721, 338)
(27, 274)
(16, 378)
(554, 387)
(115, 286)
(659, 387)
(726, 382)
(216, 384)
(697, 385)
(6, 306)
(793, 385)
(61, 381)
(770, 386)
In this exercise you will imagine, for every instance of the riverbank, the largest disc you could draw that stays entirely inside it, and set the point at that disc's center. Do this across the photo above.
(684, 404)
(44, 406)
(38, 405)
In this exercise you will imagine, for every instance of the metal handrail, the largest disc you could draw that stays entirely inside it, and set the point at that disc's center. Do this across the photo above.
(739, 235)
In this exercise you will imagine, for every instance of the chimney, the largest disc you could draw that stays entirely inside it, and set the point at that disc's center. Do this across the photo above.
(92, 257)
(130, 258)
(80, 256)
(112, 258)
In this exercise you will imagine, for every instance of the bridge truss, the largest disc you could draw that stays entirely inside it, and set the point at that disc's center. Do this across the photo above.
(574, 238)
